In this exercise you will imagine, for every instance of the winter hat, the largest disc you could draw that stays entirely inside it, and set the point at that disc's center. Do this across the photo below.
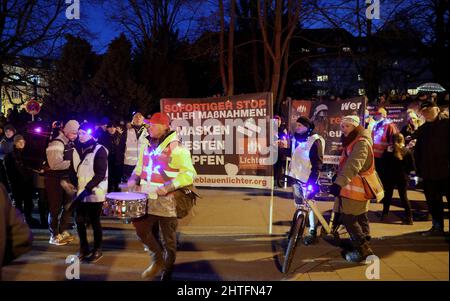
(306, 122)
(71, 126)
(160, 118)
(9, 127)
(88, 127)
(17, 138)
(351, 119)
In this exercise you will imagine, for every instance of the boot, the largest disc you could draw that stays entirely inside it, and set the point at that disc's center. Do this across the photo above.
(166, 275)
(310, 238)
(155, 268)
(360, 253)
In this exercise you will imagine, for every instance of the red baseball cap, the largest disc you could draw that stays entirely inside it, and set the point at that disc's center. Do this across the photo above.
(159, 118)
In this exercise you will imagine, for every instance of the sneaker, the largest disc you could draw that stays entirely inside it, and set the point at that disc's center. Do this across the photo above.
(95, 256)
(67, 237)
(433, 232)
(156, 267)
(57, 240)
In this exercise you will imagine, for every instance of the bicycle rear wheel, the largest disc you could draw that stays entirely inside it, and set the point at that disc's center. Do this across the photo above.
(295, 235)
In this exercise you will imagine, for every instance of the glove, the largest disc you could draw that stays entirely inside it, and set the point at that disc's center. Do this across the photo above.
(74, 203)
(312, 188)
(335, 189)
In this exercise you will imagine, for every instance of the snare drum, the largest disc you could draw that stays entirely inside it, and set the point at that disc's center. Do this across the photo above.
(125, 205)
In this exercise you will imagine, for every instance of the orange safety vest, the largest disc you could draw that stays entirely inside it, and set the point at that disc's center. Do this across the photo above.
(355, 189)
(157, 166)
(380, 138)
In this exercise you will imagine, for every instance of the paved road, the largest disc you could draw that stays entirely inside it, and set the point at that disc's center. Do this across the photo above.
(227, 239)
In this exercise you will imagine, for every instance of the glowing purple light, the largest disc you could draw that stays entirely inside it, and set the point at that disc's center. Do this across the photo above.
(38, 130)
(310, 188)
(89, 131)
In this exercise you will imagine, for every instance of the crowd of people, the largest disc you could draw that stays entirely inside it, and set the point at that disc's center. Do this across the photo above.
(84, 161)
(375, 160)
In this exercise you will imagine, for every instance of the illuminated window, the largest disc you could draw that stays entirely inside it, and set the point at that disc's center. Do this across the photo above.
(322, 78)
(412, 91)
(15, 94)
(321, 92)
(346, 49)
(361, 91)
(305, 50)
(360, 77)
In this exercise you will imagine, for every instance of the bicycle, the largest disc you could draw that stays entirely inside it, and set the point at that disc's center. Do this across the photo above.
(301, 214)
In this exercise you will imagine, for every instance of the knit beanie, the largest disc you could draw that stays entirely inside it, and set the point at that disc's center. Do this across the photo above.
(351, 119)
(71, 126)
(306, 122)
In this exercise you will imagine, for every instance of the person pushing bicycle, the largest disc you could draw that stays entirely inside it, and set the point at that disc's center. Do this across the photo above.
(306, 162)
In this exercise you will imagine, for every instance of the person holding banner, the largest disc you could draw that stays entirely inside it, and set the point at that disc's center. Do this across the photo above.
(163, 167)
(352, 204)
(306, 162)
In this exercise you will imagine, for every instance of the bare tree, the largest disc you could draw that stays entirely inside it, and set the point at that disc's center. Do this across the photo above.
(227, 77)
(278, 47)
(30, 28)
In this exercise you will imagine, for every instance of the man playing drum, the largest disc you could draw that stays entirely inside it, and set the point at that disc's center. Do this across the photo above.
(163, 167)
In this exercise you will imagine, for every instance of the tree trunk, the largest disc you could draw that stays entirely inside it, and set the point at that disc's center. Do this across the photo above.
(230, 90)
(221, 49)
(282, 95)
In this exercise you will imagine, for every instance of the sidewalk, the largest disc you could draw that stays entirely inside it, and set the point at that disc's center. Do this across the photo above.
(227, 239)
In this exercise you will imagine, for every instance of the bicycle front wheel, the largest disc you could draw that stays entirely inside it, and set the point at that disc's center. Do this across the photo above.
(296, 234)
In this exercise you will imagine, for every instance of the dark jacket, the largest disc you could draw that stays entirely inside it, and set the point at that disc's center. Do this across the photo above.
(6, 146)
(431, 151)
(18, 167)
(396, 169)
(15, 235)
(114, 147)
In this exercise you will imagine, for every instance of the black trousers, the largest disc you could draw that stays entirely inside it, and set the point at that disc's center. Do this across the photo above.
(434, 191)
(357, 227)
(22, 192)
(127, 171)
(164, 248)
(57, 197)
(401, 185)
(91, 212)
(114, 175)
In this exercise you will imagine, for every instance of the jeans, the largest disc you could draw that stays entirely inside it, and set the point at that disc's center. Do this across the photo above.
(57, 197)
(298, 198)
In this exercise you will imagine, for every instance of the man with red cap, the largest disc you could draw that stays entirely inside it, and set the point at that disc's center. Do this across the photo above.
(163, 167)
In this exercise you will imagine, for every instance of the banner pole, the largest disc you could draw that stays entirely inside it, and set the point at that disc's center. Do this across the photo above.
(271, 207)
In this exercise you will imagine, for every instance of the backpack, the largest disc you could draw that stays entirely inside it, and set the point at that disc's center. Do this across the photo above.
(185, 199)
